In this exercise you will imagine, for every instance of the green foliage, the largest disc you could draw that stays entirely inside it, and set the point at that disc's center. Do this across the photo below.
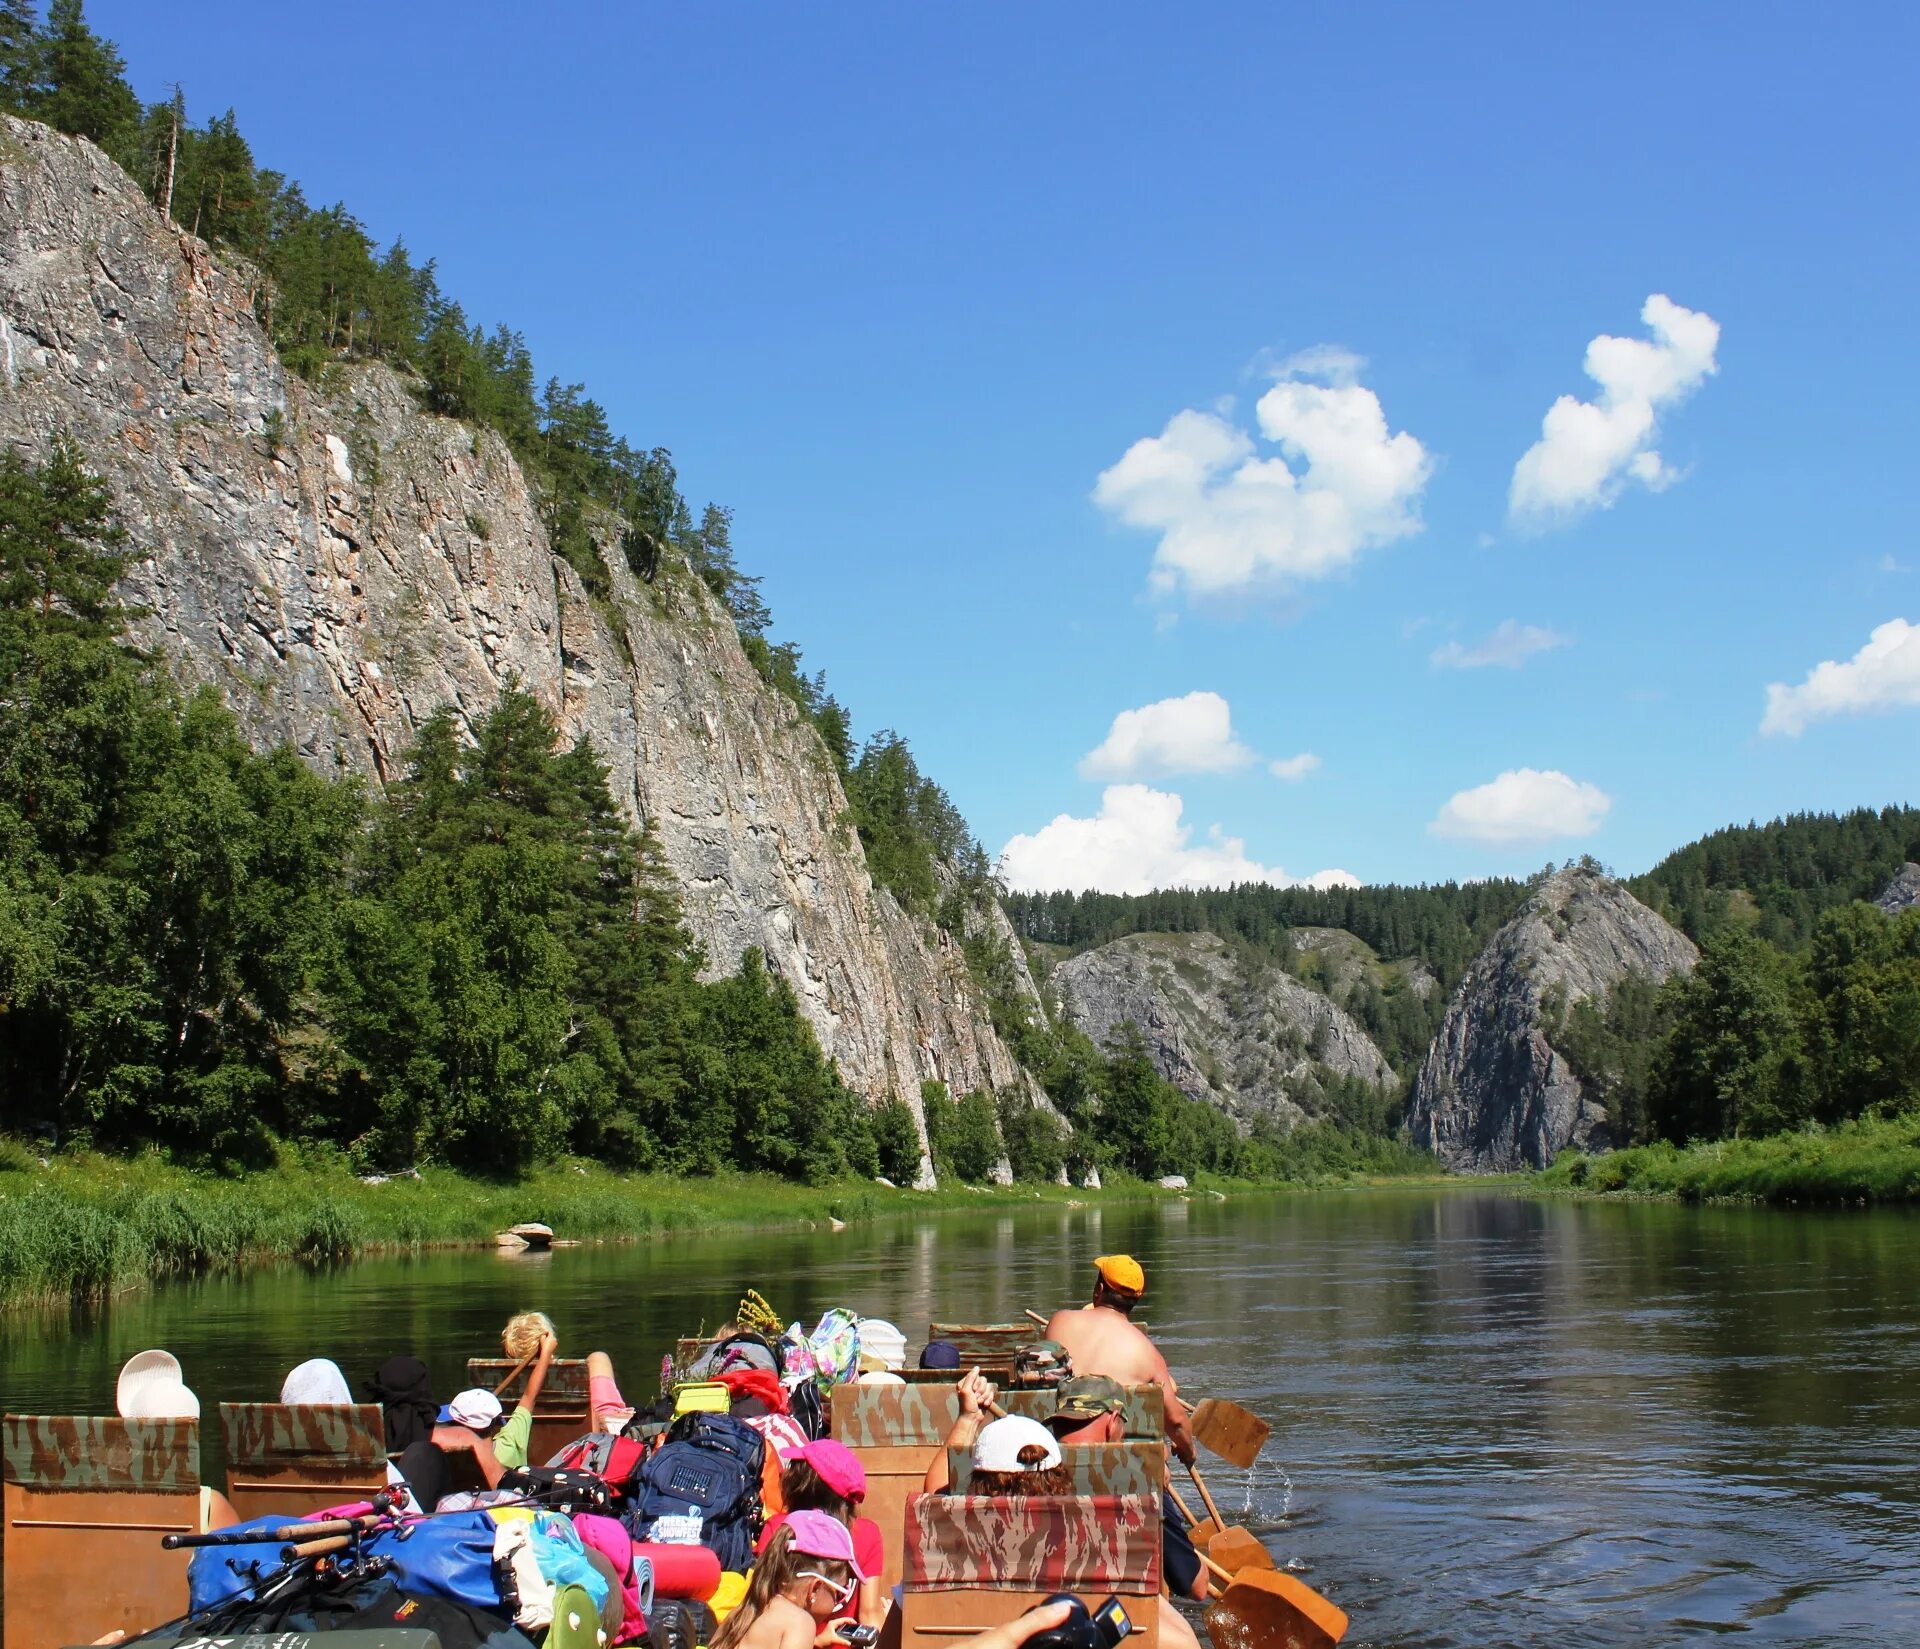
(1035, 1141)
(1779, 878)
(1866, 1161)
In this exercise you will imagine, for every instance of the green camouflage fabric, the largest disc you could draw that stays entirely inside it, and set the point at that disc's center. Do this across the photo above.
(95, 1452)
(275, 1437)
(1033, 1543)
(1098, 1468)
(565, 1388)
(987, 1343)
(875, 1417)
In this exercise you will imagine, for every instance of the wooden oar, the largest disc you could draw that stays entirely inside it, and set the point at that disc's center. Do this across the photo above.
(1237, 1435)
(513, 1373)
(1233, 1548)
(1265, 1607)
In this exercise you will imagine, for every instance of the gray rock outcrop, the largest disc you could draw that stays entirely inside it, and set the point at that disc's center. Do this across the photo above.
(1240, 1034)
(1903, 892)
(340, 565)
(1493, 1094)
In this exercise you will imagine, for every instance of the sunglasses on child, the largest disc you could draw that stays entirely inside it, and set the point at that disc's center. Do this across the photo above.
(842, 1590)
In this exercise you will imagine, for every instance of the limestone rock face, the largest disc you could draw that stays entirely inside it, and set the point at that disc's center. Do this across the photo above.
(1492, 1094)
(1903, 892)
(1247, 1037)
(340, 565)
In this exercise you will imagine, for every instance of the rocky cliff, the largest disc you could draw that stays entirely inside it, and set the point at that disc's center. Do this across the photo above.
(340, 565)
(1492, 1094)
(1903, 892)
(1240, 1034)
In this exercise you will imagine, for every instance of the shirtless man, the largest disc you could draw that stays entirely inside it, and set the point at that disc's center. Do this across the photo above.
(1100, 1339)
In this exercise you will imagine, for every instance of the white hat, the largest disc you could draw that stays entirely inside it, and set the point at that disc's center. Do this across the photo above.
(477, 1409)
(997, 1448)
(317, 1381)
(151, 1388)
(879, 1377)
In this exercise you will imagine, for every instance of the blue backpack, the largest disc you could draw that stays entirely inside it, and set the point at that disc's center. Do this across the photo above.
(702, 1488)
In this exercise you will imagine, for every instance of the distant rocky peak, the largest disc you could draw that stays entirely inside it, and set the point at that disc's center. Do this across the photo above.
(1903, 892)
(1493, 1093)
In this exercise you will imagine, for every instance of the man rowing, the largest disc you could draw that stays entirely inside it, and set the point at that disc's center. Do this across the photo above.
(1101, 1338)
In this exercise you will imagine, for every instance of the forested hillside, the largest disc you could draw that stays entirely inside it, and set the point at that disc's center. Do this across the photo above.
(1442, 928)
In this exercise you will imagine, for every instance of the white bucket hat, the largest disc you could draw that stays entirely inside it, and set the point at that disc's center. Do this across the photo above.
(150, 1387)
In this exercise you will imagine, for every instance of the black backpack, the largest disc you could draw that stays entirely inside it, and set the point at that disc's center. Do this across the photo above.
(680, 1623)
(702, 1487)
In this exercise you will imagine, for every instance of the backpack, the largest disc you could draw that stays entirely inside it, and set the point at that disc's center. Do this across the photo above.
(741, 1349)
(616, 1461)
(702, 1488)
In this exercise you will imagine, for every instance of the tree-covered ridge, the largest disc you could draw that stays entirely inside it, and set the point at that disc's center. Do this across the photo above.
(1780, 878)
(329, 294)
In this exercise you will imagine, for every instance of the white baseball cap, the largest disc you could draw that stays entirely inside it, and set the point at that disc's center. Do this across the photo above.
(997, 1448)
(477, 1409)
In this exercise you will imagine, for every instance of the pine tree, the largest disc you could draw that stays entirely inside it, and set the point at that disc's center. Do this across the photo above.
(85, 83)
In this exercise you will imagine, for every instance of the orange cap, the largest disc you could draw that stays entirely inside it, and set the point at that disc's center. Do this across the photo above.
(1122, 1273)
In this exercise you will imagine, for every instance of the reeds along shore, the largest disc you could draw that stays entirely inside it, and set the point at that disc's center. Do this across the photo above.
(1870, 1161)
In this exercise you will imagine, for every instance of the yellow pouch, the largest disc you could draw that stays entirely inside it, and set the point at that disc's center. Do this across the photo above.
(701, 1397)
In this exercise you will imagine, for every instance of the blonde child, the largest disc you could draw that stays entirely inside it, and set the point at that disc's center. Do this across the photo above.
(805, 1577)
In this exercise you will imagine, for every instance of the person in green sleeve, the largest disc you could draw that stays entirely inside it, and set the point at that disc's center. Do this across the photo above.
(510, 1442)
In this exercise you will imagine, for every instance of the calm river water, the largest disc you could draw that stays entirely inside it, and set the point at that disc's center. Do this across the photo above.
(1497, 1420)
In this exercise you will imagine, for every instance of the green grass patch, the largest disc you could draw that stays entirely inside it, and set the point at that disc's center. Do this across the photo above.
(1869, 1161)
(83, 1227)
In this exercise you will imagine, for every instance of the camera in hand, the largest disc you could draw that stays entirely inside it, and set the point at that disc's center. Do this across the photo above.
(1103, 1628)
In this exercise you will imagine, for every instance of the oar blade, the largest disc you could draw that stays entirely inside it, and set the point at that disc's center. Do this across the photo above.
(1237, 1435)
(1270, 1609)
(1236, 1548)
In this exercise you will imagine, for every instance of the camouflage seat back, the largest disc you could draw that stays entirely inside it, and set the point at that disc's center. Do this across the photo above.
(561, 1415)
(922, 1415)
(992, 1345)
(1108, 1469)
(1090, 1544)
(86, 1501)
(301, 1458)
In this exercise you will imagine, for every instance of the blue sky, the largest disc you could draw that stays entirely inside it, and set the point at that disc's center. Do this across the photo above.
(901, 284)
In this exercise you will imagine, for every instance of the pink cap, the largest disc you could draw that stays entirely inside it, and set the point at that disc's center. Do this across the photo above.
(839, 1467)
(817, 1535)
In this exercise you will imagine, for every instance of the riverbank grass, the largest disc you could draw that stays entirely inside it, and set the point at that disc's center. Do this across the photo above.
(1869, 1161)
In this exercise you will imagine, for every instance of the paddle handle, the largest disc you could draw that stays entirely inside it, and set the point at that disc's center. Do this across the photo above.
(1193, 1522)
(1206, 1495)
(1036, 1317)
(514, 1373)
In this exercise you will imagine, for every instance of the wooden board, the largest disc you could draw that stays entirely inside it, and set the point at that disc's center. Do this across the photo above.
(945, 1620)
(85, 1503)
(301, 1459)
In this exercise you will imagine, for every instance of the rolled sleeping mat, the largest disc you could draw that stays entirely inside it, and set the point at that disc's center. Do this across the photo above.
(643, 1581)
(679, 1571)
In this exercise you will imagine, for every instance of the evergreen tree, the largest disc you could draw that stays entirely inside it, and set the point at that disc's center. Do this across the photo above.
(84, 86)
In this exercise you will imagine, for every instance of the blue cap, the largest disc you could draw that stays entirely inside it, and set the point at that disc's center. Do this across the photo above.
(940, 1354)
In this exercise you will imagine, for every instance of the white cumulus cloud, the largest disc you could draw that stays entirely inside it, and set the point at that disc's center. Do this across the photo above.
(1191, 734)
(1883, 675)
(1234, 520)
(1292, 768)
(1524, 805)
(1588, 451)
(1137, 843)
(1509, 646)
